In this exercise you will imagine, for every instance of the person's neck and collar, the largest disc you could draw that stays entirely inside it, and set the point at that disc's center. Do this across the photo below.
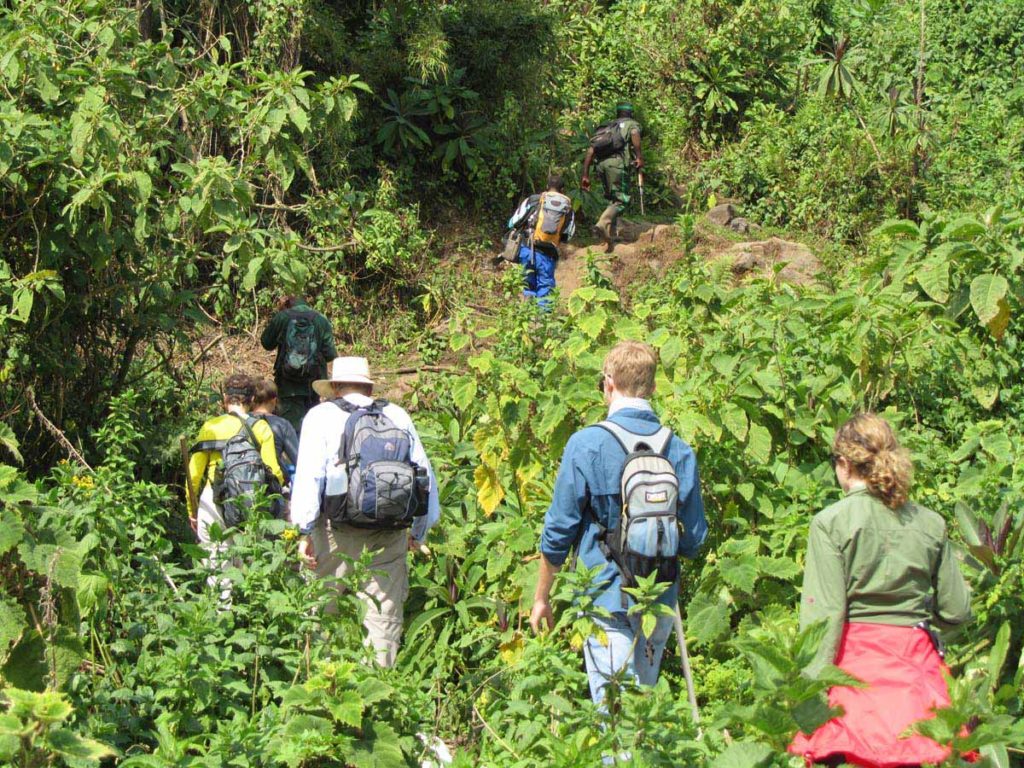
(358, 394)
(848, 478)
(236, 409)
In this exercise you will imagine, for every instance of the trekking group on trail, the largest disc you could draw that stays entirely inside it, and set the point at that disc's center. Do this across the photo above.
(545, 220)
(350, 472)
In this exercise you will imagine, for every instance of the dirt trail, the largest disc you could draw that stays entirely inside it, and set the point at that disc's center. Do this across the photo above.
(646, 252)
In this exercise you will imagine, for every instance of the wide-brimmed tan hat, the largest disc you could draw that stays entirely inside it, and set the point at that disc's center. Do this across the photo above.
(344, 370)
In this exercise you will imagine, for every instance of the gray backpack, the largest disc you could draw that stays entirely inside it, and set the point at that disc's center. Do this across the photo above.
(382, 487)
(241, 472)
(645, 539)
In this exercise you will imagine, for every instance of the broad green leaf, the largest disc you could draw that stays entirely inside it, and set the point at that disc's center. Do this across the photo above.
(12, 529)
(998, 446)
(12, 623)
(92, 592)
(464, 391)
(997, 658)
(759, 444)
(671, 350)
(734, 419)
(459, 341)
(489, 492)
(988, 292)
(744, 754)
(72, 746)
(892, 227)
(740, 572)
(812, 713)
(346, 708)
(380, 747)
(9, 441)
(968, 524)
(48, 707)
(551, 416)
(997, 325)
(964, 228)
(593, 323)
(933, 277)
(986, 393)
(144, 185)
(996, 756)
(707, 618)
(252, 273)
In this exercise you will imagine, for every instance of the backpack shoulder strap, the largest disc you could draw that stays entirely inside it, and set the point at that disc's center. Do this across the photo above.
(355, 413)
(345, 405)
(295, 314)
(630, 441)
(207, 445)
(247, 423)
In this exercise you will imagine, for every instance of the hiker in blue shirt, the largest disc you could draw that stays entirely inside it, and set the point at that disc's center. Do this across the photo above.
(587, 500)
(542, 222)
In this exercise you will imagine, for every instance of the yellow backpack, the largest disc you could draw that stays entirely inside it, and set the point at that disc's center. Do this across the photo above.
(553, 211)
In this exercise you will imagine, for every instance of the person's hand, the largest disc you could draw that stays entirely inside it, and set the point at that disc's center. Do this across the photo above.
(418, 547)
(306, 552)
(639, 163)
(585, 183)
(540, 614)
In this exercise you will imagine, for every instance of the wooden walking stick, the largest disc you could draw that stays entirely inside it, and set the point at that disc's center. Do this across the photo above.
(190, 492)
(685, 657)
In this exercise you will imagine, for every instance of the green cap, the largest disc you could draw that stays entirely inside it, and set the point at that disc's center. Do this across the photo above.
(623, 106)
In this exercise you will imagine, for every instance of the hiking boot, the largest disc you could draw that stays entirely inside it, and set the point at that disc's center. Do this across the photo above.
(604, 227)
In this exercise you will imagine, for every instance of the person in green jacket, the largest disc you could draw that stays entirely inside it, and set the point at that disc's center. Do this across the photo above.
(883, 577)
(304, 341)
(615, 169)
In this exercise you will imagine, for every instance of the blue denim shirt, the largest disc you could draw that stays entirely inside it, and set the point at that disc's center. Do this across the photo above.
(588, 480)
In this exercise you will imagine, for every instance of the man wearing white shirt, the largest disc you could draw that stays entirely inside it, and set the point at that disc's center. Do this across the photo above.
(328, 546)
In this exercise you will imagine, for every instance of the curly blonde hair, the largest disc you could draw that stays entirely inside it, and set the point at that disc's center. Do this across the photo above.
(870, 445)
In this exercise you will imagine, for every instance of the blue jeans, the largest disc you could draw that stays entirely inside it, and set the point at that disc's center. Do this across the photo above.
(641, 663)
(538, 273)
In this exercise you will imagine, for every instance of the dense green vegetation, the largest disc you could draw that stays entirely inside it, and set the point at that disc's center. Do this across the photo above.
(169, 166)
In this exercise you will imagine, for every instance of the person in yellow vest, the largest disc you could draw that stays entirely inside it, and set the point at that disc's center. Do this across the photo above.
(215, 437)
(543, 221)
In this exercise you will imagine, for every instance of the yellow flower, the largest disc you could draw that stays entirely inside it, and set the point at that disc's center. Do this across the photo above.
(84, 482)
(290, 534)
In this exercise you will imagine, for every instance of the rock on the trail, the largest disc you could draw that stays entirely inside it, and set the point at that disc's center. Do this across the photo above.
(722, 214)
(642, 232)
(662, 232)
(624, 250)
(801, 265)
(742, 226)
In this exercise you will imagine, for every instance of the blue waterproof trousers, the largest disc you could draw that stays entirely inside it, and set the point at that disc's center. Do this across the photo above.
(538, 273)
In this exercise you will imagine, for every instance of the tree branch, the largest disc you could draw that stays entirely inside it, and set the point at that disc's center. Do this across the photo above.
(328, 248)
(52, 428)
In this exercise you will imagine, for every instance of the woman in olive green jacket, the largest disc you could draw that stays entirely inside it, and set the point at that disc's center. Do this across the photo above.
(881, 572)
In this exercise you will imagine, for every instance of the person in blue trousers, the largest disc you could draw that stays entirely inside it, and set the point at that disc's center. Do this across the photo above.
(544, 220)
(587, 501)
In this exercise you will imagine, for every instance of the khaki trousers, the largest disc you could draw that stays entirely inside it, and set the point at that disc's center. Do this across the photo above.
(388, 585)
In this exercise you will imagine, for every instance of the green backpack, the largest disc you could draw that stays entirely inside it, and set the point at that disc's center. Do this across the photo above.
(300, 354)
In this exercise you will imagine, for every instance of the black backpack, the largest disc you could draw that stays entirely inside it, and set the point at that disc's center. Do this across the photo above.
(382, 487)
(300, 351)
(241, 471)
(608, 140)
